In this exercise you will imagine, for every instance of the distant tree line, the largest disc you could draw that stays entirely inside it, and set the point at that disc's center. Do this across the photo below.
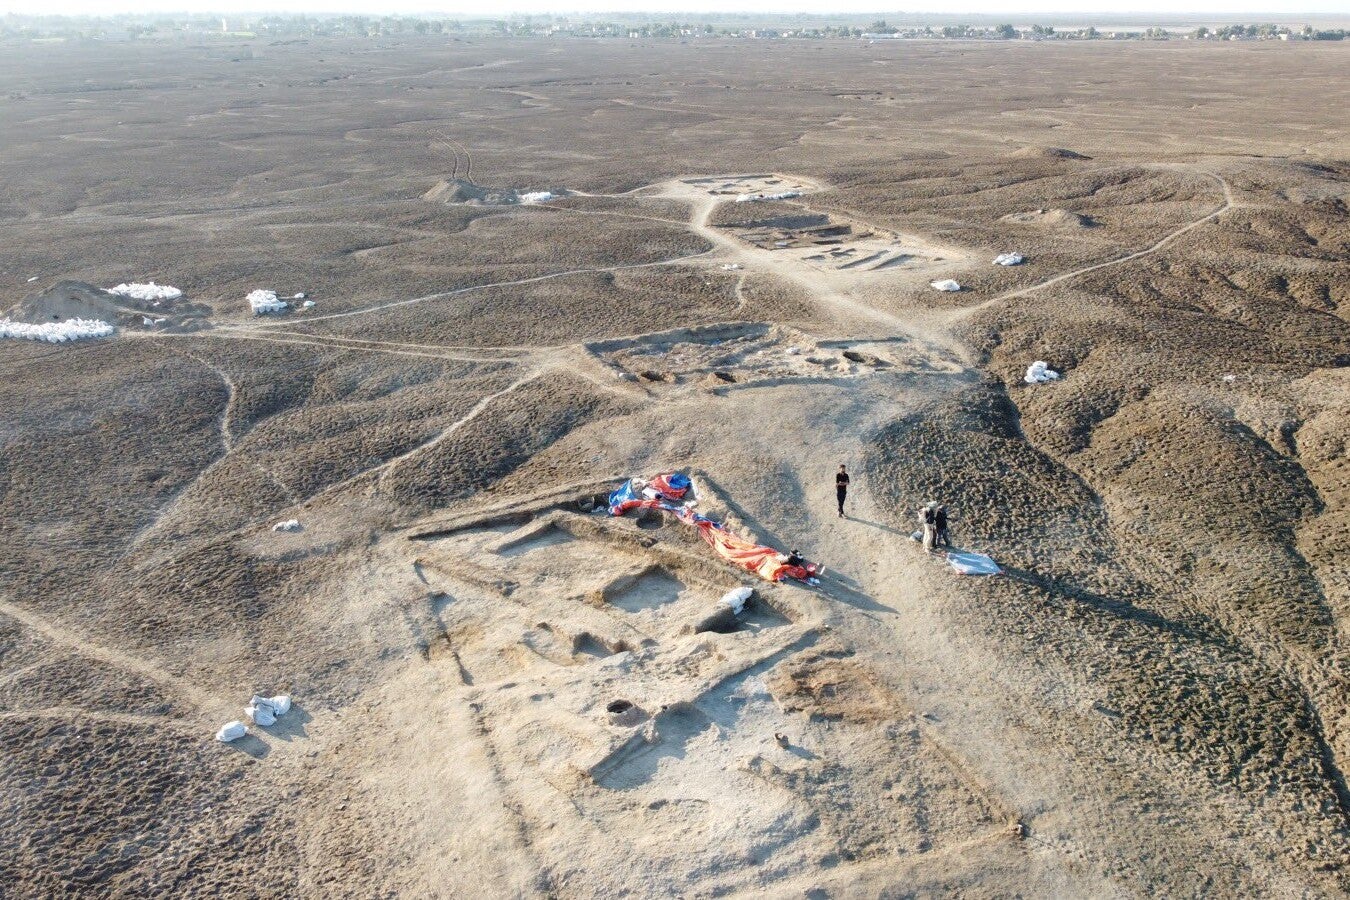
(163, 27)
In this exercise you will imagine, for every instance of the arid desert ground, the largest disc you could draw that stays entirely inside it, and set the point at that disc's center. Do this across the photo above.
(1152, 701)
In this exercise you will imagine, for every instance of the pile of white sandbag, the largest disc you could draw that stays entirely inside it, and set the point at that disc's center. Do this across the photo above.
(261, 711)
(263, 302)
(536, 197)
(147, 291)
(56, 332)
(1008, 259)
(945, 285)
(756, 198)
(288, 525)
(1040, 372)
(265, 711)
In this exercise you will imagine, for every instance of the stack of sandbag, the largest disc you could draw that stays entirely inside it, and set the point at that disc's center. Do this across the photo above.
(147, 291)
(263, 302)
(265, 711)
(56, 332)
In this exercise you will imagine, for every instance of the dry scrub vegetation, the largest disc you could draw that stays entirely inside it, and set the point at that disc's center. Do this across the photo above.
(1152, 701)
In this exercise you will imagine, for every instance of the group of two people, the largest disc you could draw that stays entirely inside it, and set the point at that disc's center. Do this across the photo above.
(933, 520)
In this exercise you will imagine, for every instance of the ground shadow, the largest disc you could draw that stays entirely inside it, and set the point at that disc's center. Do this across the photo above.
(290, 726)
(250, 745)
(889, 529)
(842, 587)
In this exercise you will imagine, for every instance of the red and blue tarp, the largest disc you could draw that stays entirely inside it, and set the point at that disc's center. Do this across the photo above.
(766, 562)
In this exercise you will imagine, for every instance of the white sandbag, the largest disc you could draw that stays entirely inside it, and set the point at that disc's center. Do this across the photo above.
(945, 285)
(288, 525)
(730, 267)
(260, 714)
(147, 291)
(262, 302)
(968, 563)
(280, 704)
(736, 599)
(307, 304)
(1040, 372)
(231, 731)
(1008, 259)
(537, 197)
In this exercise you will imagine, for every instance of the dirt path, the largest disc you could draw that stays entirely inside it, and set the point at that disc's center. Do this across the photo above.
(382, 470)
(79, 644)
(227, 437)
(441, 295)
(1227, 204)
(241, 333)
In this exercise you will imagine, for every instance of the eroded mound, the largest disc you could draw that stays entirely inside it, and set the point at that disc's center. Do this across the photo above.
(78, 300)
(1062, 218)
(1046, 153)
(461, 190)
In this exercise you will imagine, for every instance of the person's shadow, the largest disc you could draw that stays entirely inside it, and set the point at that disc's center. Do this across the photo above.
(842, 587)
(884, 527)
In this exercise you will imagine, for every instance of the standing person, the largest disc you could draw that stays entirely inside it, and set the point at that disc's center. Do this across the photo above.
(841, 487)
(928, 518)
(940, 522)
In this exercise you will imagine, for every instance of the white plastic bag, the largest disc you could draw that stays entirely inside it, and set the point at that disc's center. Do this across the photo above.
(1040, 372)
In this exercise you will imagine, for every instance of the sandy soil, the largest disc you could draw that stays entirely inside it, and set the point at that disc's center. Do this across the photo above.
(500, 691)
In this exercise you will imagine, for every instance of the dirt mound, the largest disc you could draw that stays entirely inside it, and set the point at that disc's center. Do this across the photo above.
(1046, 153)
(1061, 218)
(460, 190)
(79, 300)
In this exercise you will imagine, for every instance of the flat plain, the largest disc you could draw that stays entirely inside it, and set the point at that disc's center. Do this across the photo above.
(1151, 701)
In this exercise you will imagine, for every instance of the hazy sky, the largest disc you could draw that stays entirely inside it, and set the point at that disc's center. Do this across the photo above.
(1079, 10)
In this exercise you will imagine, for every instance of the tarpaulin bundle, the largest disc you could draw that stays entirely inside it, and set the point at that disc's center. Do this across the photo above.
(764, 561)
(627, 496)
(658, 493)
(671, 485)
(968, 563)
(635, 493)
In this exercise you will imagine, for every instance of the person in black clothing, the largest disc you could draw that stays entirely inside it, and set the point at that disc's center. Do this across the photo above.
(841, 487)
(940, 521)
(795, 558)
